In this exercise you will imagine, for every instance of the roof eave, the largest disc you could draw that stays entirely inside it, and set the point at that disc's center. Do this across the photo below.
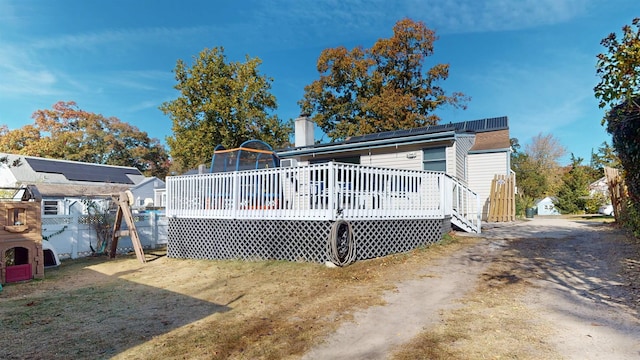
(442, 136)
(488, 151)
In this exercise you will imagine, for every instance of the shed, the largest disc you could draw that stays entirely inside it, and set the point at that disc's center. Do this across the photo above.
(547, 207)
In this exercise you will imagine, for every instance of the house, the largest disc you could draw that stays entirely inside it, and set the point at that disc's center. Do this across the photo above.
(599, 188)
(547, 207)
(472, 151)
(149, 193)
(64, 184)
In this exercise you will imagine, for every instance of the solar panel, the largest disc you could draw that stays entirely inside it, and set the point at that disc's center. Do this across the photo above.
(84, 172)
(480, 125)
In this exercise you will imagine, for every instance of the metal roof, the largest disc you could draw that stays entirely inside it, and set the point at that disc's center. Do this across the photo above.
(76, 171)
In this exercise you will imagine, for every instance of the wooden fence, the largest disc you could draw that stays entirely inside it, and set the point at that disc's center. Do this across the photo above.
(502, 201)
(617, 191)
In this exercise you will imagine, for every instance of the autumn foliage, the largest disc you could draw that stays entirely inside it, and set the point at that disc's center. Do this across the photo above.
(382, 88)
(70, 133)
(619, 90)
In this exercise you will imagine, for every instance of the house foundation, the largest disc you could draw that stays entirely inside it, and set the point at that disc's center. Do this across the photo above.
(296, 240)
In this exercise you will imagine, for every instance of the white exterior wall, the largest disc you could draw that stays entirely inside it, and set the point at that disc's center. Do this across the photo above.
(411, 160)
(463, 144)
(6, 177)
(451, 160)
(481, 170)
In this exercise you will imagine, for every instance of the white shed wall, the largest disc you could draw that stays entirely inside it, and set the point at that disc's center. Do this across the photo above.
(411, 160)
(481, 170)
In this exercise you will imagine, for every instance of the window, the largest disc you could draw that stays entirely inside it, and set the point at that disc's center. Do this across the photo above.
(434, 159)
(50, 207)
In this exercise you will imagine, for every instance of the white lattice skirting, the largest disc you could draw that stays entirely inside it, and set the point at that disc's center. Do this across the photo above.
(295, 240)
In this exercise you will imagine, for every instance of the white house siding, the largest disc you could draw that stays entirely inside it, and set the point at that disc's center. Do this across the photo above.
(451, 160)
(6, 177)
(411, 160)
(462, 145)
(481, 169)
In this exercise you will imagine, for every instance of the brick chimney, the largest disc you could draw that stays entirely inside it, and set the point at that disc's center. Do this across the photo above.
(304, 131)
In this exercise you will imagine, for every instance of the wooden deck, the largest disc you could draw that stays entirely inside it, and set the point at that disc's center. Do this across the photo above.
(330, 191)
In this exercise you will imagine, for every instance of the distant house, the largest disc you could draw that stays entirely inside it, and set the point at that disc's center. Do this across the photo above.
(150, 193)
(599, 187)
(471, 151)
(547, 207)
(64, 184)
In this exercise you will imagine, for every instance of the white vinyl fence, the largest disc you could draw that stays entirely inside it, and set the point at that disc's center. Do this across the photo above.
(72, 236)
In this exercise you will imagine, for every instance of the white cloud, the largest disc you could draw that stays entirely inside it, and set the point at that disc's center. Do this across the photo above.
(466, 16)
(294, 24)
(124, 37)
(7, 13)
(22, 76)
(143, 105)
(137, 80)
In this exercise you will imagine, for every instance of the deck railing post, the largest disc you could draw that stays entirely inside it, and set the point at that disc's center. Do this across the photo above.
(331, 189)
(444, 189)
(236, 195)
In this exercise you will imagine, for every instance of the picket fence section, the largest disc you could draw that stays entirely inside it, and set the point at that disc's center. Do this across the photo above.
(72, 236)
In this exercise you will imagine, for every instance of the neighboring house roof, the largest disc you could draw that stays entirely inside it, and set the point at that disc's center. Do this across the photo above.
(59, 190)
(70, 178)
(491, 140)
(548, 199)
(599, 185)
(158, 183)
(432, 133)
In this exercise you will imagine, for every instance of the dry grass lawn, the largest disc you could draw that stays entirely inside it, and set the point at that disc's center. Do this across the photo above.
(174, 308)
(97, 308)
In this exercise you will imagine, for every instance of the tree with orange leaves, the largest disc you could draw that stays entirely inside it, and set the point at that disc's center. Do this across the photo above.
(70, 133)
(383, 88)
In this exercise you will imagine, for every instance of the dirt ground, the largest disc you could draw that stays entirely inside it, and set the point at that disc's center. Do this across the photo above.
(543, 288)
(581, 288)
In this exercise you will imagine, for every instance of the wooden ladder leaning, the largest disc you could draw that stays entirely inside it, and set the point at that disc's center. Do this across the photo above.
(124, 211)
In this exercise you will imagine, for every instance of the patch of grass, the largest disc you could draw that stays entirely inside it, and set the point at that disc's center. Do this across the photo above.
(175, 308)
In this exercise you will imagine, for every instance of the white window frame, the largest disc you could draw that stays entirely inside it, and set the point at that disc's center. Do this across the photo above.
(428, 160)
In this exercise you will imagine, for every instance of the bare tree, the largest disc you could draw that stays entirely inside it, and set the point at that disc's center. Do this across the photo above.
(545, 152)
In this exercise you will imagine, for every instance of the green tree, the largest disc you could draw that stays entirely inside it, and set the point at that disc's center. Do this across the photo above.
(606, 156)
(68, 132)
(619, 90)
(220, 102)
(383, 88)
(532, 184)
(619, 69)
(574, 192)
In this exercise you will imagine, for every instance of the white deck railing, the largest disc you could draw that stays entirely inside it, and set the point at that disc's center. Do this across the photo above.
(327, 191)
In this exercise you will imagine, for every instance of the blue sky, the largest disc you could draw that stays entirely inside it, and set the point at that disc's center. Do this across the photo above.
(531, 60)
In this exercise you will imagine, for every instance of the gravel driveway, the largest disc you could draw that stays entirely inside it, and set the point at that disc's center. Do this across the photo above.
(584, 283)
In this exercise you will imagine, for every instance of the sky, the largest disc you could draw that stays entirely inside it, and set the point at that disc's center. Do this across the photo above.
(533, 61)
